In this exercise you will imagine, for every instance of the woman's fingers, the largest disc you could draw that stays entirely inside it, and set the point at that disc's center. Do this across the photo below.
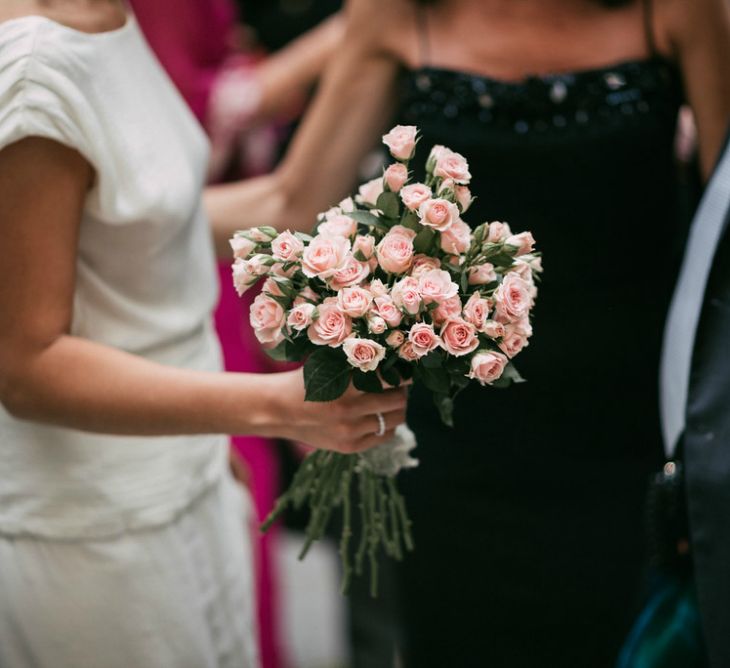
(367, 403)
(370, 424)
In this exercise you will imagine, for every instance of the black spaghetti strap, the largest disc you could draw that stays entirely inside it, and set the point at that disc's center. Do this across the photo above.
(648, 15)
(423, 42)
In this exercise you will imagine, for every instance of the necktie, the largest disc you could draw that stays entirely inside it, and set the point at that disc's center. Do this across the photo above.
(684, 312)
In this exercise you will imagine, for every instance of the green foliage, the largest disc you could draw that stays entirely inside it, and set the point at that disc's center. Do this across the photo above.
(367, 381)
(389, 203)
(326, 374)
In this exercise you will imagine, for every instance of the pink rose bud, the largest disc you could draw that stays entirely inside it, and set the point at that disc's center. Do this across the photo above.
(396, 176)
(401, 141)
(286, 247)
(260, 235)
(452, 165)
(307, 296)
(514, 340)
(364, 245)
(243, 277)
(414, 195)
(487, 366)
(363, 354)
(438, 213)
(376, 324)
(395, 251)
(407, 296)
(242, 247)
(476, 311)
(436, 286)
(512, 299)
(459, 337)
(424, 263)
(301, 316)
(354, 302)
(369, 192)
(272, 287)
(325, 256)
(456, 239)
(494, 329)
(446, 310)
(353, 273)
(463, 197)
(267, 318)
(524, 242)
(377, 288)
(331, 327)
(482, 274)
(407, 353)
(395, 338)
(424, 339)
(347, 205)
(498, 232)
(434, 156)
(387, 309)
(338, 225)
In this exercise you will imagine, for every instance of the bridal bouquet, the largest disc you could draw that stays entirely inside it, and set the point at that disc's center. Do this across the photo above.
(391, 285)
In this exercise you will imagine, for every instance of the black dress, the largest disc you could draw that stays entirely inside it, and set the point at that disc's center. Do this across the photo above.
(528, 514)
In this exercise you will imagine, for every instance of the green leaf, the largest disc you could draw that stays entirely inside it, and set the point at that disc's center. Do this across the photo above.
(391, 376)
(411, 221)
(367, 381)
(433, 360)
(367, 218)
(389, 203)
(445, 405)
(509, 376)
(326, 374)
(278, 353)
(437, 380)
(424, 239)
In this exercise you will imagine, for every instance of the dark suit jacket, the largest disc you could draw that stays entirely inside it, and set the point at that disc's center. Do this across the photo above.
(707, 456)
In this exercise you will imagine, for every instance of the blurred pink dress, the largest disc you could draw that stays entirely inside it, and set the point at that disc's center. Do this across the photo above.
(193, 40)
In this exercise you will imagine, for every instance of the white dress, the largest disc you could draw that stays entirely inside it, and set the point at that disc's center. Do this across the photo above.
(116, 550)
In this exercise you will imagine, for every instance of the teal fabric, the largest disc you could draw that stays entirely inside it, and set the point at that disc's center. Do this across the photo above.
(668, 633)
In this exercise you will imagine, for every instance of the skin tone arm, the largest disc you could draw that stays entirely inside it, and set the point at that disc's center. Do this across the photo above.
(698, 32)
(352, 108)
(49, 376)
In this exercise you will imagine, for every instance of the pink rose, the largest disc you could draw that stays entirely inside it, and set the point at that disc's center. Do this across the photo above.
(436, 152)
(401, 141)
(331, 327)
(512, 299)
(395, 338)
(414, 195)
(522, 269)
(463, 197)
(386, 308)
(456, 239)
(377, 288)
(482, 274)
(376, 324)
(424, 339)
(476, 311)
(242, 247)
(301, 316)
(261, 235)
(438, 213)
(277, 269)
(364, 245)
(498, 232)
(363, 354)
(406, 352)
(260, 264)
(354, 302)
(407, 296)
(243, 277)
(286, 247)
(436, 286)
(396, 176)
(369, 192)
(347, 205)
(487, 366)
(452, 165)
(395, 250)
(524, 242)
(447, 309)
(535, 262)
(338, 226)
(307, 296)
(515, 338)
(353, 273)
(459, 337)
(494, 329)
(271, 287)
(267, 319)
(424, 263)
(325, 256)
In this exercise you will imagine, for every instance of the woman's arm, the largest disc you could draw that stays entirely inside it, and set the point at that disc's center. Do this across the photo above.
(47, 375)
(352, 107)
(698, 33)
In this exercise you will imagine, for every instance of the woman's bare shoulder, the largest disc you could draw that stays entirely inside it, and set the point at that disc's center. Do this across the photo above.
(385, 26)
